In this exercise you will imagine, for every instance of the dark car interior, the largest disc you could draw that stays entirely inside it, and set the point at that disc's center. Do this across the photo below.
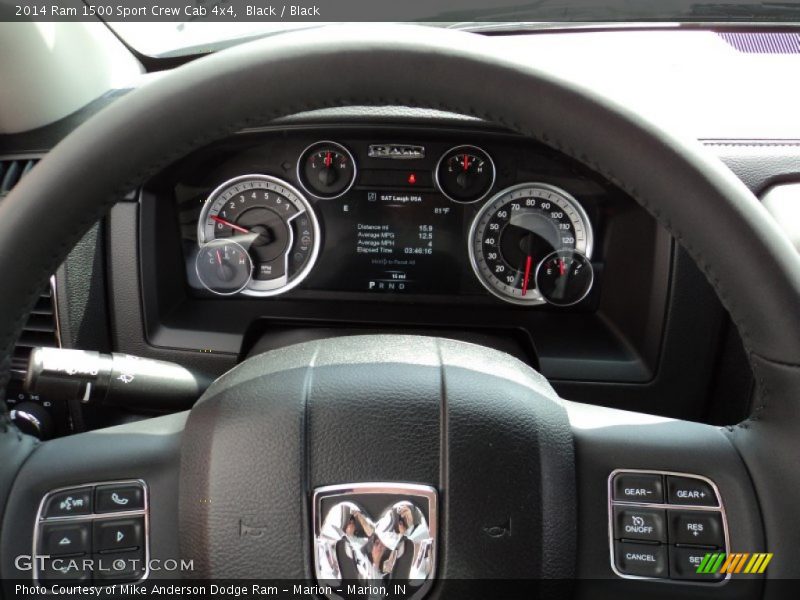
(248, 277)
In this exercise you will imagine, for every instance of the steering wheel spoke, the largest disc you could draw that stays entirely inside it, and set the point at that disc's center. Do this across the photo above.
(121, 480)
(656, 496)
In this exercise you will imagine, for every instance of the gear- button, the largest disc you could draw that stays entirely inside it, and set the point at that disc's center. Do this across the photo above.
(638, 487)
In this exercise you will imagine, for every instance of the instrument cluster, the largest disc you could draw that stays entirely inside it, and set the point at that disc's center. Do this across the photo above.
(416, 217)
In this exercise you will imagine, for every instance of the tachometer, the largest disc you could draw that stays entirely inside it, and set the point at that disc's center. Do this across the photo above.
(516, 230)
(272, 221)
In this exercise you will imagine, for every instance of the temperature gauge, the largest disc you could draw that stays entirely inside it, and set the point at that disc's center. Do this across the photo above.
(326, 170)
(224, 267)
(465, 174)
(564, 277)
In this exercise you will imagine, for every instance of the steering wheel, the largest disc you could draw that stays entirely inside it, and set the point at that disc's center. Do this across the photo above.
(521, 476)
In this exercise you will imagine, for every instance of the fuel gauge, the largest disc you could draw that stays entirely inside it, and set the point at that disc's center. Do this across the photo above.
(224, 267)
(564, 277)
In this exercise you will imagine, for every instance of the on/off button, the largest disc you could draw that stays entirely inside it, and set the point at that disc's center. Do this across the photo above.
(639, 487)
(640, 524)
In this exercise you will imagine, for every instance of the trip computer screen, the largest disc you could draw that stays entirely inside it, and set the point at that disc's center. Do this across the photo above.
(393, 242)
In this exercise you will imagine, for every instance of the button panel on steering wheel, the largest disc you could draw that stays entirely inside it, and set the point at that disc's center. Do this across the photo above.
(94, 532)
(663, 524)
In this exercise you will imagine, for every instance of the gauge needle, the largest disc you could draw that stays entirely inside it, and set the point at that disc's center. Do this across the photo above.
(328, 160)
(466, 163)
(233, 226)
(561, 267)
(219, 263)
(526, 279)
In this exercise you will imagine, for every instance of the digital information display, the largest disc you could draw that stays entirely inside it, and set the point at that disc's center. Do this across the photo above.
(392, 242)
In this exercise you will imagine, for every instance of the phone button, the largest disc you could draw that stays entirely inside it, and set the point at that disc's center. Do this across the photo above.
(117, 498)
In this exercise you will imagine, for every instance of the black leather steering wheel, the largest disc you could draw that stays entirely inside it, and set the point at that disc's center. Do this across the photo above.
(486, 431)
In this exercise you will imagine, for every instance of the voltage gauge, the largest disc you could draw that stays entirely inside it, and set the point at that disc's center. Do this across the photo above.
(465, 174)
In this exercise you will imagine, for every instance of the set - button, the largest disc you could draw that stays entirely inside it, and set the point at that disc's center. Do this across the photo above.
(664, 525)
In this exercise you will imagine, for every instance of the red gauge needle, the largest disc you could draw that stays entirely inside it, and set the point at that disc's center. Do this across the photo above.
(561, 267)
(328, 160)
(527, 278)
(219, 257)
(233, 226)
(466, 163)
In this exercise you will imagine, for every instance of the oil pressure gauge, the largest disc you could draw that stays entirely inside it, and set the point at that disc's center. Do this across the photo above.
(326, 170)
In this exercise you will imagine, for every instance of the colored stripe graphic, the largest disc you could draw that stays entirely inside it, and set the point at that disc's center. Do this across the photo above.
(720, 562)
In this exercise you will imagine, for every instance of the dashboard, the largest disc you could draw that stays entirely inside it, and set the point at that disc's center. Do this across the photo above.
(299, 231)
(443, 216)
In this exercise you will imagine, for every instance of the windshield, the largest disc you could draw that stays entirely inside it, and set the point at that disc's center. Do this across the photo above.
(208, 25)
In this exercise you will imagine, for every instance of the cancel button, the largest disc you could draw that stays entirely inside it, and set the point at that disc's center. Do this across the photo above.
(639, 524)
(644, 560)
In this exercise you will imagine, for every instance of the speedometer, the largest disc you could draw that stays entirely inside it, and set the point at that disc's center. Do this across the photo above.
(272, 222)
(516, 230)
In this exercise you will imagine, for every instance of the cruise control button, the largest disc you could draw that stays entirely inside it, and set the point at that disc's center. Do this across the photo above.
(70, 502)
(638, 487)
(640, 524)
(118, 534)
(700, 528)
(115, 498)
(689, 491)
(66, 538)
(643, 560)
(684, 562)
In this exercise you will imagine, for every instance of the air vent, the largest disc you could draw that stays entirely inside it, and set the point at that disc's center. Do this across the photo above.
(11, 171)
(40, 330)
(42, 326)
(763, 42)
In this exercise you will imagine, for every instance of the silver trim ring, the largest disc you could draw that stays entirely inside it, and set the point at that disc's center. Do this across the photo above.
(222, 241)
(299, 175)
(307, 208)
(719, 509)
(459, 147)
(92, 517)
(536, 298)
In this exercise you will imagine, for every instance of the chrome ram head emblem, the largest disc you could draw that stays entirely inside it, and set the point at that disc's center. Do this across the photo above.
(395, 552)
